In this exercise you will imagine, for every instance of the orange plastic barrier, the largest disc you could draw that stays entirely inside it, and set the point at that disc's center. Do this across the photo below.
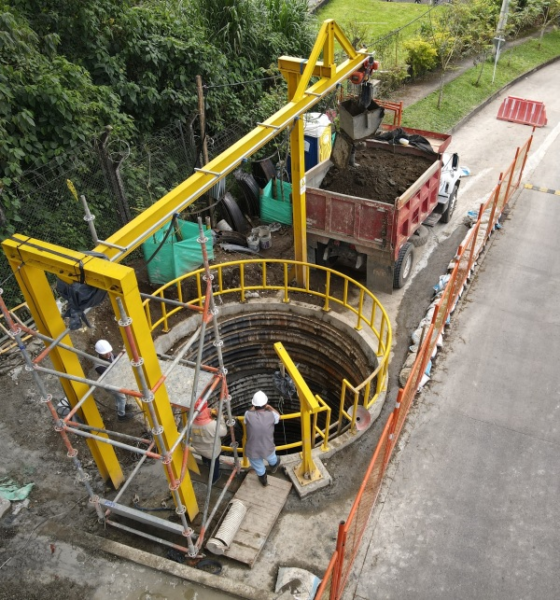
(351, 531)
(521, 110)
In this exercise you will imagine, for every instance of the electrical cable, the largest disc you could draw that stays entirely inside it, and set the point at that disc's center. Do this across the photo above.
(171, 228)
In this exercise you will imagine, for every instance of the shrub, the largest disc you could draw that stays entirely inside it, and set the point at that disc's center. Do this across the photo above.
(421, 57)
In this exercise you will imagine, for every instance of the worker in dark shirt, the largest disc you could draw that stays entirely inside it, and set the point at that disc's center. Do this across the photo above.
(259, 422)
(105, 351)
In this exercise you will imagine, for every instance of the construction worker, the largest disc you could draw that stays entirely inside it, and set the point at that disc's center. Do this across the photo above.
(204, 430)
(105, 351)
(259, 422)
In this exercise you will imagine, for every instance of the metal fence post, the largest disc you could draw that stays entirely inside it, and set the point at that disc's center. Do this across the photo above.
(112, 173)
(340, 544)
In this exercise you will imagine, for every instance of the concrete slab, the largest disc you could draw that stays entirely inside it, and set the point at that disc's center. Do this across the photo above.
(179, 383)
(469, 507)
(304, 490)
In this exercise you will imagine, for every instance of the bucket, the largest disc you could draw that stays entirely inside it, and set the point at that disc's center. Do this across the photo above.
(314, 124)
(265, 238)
(223, 225)
(253, 243)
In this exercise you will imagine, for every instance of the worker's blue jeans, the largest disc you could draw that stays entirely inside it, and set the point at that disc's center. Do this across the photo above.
(120, 401)
(208, 463)
(258, 463)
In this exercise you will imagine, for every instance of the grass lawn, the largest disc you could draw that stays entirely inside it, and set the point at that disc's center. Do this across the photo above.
(462, 95)
(374, 19)
(376, 16)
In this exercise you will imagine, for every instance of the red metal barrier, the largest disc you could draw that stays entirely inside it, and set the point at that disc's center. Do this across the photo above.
(351, 531)
(521, 110)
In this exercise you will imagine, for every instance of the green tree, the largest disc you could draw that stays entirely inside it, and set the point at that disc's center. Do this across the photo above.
(446, 32)
(48, 105)
(481, 20)
(148, 54)
(550, 11)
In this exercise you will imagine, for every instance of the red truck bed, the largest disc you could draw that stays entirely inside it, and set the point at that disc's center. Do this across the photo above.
(377, 229)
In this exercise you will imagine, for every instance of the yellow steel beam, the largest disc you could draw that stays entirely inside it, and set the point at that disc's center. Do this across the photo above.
(299, 210)
(39, 297)
(33, 257)
(141, 334)
(29, 259)
(306, 471)
(139, 229)
(289, 64)
(297, 90)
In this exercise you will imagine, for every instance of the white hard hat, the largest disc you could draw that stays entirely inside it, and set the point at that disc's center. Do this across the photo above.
(103, 347)
(260, 399)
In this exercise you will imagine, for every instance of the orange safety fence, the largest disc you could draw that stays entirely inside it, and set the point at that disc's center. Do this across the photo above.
(351, 531)
(328, 584)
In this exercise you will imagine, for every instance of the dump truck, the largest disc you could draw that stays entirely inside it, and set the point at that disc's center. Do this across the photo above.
(347, 223)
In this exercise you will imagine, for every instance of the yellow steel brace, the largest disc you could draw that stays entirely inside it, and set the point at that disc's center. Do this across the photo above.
(127, 239)
(306, 471)
(30, 259)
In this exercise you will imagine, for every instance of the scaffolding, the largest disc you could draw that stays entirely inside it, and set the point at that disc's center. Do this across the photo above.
(70, 424)
(31, 260)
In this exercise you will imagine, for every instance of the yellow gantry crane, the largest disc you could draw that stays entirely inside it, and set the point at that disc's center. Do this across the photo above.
(31, 259)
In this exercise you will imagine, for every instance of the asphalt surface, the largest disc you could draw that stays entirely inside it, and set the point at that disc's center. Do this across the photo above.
(470, 506)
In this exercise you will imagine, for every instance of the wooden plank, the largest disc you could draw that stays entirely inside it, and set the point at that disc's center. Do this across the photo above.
(264, 505)
(250, 539)
(252, 496)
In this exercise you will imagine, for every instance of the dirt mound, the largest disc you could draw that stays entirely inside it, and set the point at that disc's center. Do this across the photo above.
(383, 175)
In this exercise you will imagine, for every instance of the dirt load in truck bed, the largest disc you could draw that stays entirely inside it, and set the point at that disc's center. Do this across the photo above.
(382, 175)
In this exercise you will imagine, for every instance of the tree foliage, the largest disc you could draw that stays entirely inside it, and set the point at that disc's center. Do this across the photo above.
(48, 105)
(421, 57)
(71, 67)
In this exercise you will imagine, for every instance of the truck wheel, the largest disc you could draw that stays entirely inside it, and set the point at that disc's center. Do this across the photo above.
(403, 267)
(448, 212)
(319, 260)
(419, 237)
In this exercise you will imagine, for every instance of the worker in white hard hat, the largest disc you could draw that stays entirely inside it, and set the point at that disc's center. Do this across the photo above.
(260, 420)
(105, 351)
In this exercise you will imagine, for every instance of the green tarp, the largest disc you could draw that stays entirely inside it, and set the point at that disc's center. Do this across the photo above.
(9, 490)
(179, 254)
(277, 210)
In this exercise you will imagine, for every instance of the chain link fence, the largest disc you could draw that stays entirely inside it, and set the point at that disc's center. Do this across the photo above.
(118, 181)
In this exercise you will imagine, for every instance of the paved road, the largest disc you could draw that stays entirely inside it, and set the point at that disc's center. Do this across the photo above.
(471, 506)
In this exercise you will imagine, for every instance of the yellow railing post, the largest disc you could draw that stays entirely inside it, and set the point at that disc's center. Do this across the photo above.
(376, 320)
(244, 461)
(306, 471)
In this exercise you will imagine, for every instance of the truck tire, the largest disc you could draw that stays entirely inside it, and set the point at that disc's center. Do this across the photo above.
(419, 237)
(403, 267)
(452, 202)
(319, 260)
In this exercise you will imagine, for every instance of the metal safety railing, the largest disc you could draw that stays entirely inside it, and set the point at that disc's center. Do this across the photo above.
(351, 531)
(364, 311)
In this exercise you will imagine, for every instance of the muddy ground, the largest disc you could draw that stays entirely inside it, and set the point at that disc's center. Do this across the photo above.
(32, 565)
